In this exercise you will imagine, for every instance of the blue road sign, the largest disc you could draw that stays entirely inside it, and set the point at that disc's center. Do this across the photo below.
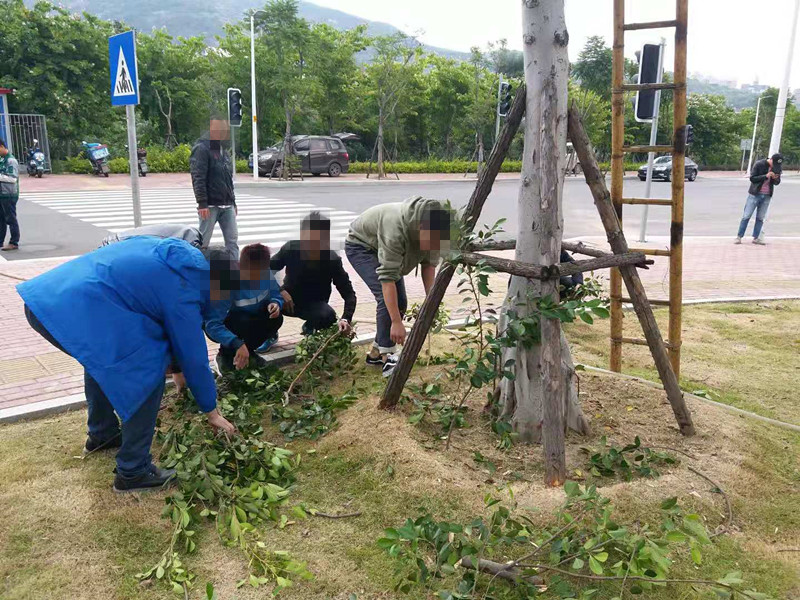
(124, 70)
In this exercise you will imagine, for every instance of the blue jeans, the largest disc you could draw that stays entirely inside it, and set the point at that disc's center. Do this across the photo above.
(8, 219)
(365, 262)
(133, 457)
(226, 217)
(759, 203)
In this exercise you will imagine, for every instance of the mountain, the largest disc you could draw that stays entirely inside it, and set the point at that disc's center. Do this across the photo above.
(207, 17)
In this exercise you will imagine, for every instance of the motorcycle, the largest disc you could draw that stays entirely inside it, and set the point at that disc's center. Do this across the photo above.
(141, 155)
(35, 160)
(98, 156)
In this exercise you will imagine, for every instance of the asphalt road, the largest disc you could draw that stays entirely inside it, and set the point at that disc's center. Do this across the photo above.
(713, 208)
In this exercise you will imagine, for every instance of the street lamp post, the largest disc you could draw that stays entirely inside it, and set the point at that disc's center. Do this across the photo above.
(780, 110)
(753, 141)
(253, 91)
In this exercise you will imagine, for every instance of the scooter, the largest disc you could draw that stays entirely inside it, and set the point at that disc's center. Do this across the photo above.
(35, 160)
(141, 155)
(98, 156)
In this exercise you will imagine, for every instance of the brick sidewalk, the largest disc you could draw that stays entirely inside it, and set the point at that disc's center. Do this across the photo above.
(31, 370)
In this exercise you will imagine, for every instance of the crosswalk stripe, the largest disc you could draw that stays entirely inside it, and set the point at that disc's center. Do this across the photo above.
(272, 221)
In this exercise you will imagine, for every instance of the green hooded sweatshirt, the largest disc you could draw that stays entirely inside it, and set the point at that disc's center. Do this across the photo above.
(392, 230)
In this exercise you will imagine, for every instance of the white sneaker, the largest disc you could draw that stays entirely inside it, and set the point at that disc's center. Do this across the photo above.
(759, 242)
(738, 240)
(390, 364)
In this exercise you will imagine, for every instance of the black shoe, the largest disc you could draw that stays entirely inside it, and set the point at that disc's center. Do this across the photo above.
(259, 362)
(306, 329)
(154, 478)
(375, 361)
(224, 363)
(93, 445)
(390, 364)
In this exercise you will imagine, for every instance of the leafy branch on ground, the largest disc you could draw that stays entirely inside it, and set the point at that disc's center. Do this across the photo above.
(243, 483)
(632, 460)
(509, 553)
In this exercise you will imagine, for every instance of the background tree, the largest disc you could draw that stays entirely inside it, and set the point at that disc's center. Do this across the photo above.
(504, 60)
(389, 75)
(717, 131)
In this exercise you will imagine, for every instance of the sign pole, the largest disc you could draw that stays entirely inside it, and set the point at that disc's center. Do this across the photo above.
(133, 161)
(233, 152)
(653, 138)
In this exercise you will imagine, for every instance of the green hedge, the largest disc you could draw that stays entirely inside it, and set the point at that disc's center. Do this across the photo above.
(434, 166)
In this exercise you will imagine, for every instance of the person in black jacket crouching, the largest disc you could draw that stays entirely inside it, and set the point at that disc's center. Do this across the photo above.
(311, 267)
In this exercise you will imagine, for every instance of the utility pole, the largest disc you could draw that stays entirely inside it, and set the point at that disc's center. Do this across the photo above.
(253, 91)
(780, 110)
(753, 142)
(653, 138)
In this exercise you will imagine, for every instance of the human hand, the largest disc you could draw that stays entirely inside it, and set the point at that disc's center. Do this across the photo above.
(274, 310)
(398, 332)
(288, 301)
(180, 381)
(220, 423)
(204, 213)
(242, 357)
(344, 325)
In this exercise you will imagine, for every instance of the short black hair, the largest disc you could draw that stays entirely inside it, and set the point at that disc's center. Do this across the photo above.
(437, 219)
(3, 143)
(315, 220)
(224, 268)
(255, 255)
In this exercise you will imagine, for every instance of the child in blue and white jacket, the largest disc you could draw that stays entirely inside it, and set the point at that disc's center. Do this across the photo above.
(245, 311)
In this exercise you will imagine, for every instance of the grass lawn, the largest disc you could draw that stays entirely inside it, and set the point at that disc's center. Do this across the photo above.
(65, 534)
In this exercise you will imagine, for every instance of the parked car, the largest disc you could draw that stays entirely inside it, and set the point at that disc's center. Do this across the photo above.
(662, 169)
(318, 154)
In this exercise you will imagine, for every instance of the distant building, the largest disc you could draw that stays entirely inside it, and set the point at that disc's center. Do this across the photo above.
(756, 88)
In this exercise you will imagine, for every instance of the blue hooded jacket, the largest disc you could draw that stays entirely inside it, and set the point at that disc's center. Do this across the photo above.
(251, 297)
(123, 310)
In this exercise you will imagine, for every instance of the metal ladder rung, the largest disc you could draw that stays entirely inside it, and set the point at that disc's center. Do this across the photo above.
(652, 201)
(646, 149)
(635, 87)
(649, 25)
(651, 251)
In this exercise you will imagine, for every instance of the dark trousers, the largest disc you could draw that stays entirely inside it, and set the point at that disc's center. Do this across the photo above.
(317, 315)
(253, 328)
(8, 219)
(133, 457)
(365, 262)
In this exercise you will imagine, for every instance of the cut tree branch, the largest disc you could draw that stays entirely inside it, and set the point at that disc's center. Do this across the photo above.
(515, 267)
(503, 571)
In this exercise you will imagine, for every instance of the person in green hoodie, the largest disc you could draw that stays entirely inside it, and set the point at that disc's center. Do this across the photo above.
(385, 243)
(9, 195)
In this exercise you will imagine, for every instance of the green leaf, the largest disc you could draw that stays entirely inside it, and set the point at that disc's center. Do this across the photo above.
(601, 556)
(571, 489)
(578, 564)
(595, 566)
(669, 503)
(676, 536)
(159, 572)
(697, 556)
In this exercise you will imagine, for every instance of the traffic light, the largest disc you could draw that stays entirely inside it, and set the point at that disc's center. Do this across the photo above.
(235, 107)
(505, 99)
(689, 134)
(648, 73)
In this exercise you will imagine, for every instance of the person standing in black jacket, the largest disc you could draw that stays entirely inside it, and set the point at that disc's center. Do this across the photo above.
(311, 266)
(766, 174)
(212, 180)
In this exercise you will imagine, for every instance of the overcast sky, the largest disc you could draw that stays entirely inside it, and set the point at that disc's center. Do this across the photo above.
(728, 39)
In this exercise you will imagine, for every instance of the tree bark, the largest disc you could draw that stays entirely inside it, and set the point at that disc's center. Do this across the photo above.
(536, 400)
(381, 167)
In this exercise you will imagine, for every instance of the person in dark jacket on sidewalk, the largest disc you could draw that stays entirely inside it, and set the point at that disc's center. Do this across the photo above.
(311, 267)
(765, 175)
(245, 307)
(212, 181)
(123, 311)
(9, 195)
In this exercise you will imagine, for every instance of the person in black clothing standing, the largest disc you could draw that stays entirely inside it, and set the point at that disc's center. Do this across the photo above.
(212, 180)
(311, 266)
(766, 174)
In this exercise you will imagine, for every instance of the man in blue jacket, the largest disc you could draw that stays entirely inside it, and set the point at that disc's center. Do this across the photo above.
(246, 305)
(123, 311)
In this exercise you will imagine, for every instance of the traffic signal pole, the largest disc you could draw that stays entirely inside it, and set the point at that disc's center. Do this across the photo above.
(753, 142)
(497, 112)
(253, 93)
(133, 165)
(653, 139)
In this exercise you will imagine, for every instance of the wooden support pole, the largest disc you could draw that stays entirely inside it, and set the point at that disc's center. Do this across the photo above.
(678, 162)
(619, 245)
(542, 272)
(574, 247)
(430, 306)
(617, 171)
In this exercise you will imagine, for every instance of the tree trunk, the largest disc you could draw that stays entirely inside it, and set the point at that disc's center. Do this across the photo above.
(286, 167)
(381, 169)
(542, 397)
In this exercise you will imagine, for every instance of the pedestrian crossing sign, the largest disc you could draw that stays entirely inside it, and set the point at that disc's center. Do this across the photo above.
(124, 69)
